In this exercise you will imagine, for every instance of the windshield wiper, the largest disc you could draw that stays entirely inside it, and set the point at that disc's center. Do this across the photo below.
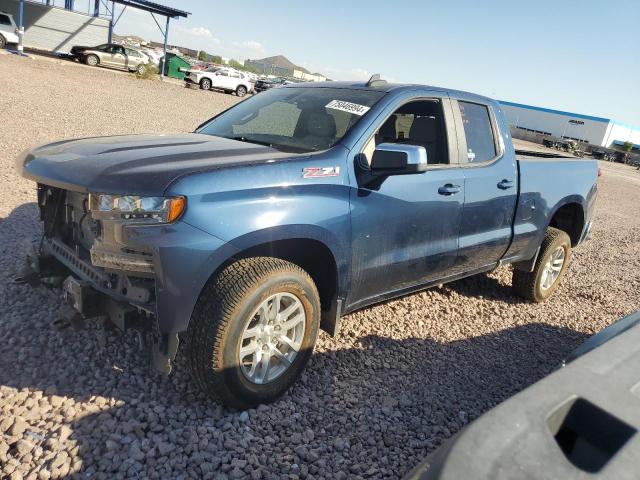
(276, 146)
(251, 140)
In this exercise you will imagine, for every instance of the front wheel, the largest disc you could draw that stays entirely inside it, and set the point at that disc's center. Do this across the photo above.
(3, 42)
(141, 69)
(241, 91)
(549, 268)
(252, 331)
(205, 84)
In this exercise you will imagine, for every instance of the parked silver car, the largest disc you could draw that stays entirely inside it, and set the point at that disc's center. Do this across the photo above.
(112, 55)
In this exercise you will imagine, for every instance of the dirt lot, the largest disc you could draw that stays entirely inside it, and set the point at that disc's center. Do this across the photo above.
(400, 379)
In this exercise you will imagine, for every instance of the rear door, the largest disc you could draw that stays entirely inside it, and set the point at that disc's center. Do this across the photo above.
(491, 185)
(132, 58)
(405, 230)
(235, 79)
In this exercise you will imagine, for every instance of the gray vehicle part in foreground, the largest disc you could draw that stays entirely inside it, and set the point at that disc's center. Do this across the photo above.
(581, 421)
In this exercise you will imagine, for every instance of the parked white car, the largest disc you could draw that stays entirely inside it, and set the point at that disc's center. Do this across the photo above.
(226, 79)
(8, 29)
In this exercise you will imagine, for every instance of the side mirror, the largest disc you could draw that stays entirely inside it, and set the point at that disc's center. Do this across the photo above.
(398, 159)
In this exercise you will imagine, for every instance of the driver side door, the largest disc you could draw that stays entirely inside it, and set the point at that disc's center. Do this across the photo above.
(405, 230)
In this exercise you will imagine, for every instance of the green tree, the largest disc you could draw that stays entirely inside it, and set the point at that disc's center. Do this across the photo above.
(628, 146)
(216, 59)
(236, 64)
(203, 56)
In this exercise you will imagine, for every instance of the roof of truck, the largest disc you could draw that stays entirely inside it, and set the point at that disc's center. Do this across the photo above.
(382, 87)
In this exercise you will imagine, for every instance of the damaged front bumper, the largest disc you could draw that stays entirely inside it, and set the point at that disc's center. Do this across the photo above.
(153, 292)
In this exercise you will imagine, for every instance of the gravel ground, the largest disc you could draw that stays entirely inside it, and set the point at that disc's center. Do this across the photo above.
(400, 378)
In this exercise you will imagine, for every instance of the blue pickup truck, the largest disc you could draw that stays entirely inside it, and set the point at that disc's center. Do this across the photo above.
(291, 209)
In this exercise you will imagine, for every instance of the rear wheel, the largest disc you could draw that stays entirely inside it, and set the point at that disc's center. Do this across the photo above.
(3, 42)
(252, 331)
(549, 268)
(92, 60)
(205, 84)
(241, 91)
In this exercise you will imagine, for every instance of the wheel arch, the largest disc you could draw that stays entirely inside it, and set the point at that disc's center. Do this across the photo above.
(569, 216)
(312, 255)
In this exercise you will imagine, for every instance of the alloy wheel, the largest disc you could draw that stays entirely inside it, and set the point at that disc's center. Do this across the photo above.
(272, 338)
(552, 268)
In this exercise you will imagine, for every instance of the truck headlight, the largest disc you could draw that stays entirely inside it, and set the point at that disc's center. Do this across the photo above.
(133, 207)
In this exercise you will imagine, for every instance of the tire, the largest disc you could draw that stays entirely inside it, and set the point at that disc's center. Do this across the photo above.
(141, 69)
(538, 285)
(92, 60)
(224, 317)
(205, 84)
(3, 42)
(241, 91)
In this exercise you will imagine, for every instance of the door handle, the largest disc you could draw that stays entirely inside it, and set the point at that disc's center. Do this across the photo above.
(505, 184)
(449, 189)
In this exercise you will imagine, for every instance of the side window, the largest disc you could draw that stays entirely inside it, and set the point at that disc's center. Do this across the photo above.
(421, 123)
(481, 145)
(4, 20)
(223, 73)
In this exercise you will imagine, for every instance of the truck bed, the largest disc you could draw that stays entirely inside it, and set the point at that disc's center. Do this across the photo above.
(534, 155)
(545, 182)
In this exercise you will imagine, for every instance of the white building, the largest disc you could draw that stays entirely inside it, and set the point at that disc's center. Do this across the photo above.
(309, 77)
(604, 132)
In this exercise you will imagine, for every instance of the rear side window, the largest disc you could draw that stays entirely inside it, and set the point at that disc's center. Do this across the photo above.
(4, 20)
(481, 146)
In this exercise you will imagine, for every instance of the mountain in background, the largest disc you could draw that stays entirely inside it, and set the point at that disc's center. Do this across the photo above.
(279, 61)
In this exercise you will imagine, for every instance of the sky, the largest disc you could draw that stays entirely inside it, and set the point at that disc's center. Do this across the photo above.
(578, 56)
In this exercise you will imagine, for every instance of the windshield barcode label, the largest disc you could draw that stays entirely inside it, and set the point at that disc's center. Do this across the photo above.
(347, 107)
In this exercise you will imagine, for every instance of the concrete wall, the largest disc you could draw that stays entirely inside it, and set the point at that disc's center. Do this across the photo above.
(55, 29)
(528, 136)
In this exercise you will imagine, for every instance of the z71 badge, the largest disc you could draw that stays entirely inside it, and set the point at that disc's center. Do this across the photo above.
(316, 172)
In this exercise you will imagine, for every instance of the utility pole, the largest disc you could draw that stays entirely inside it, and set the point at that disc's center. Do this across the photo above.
(113, 12)
(164, 49)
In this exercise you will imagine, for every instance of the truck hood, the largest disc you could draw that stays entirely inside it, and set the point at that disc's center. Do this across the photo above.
(137, 164)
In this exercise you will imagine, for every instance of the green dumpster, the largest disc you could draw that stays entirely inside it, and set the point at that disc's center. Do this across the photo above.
(174, 64)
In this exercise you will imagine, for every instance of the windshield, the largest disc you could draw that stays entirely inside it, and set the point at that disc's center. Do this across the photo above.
(294, 119)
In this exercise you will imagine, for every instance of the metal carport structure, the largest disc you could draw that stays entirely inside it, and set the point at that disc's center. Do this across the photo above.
(151, 7)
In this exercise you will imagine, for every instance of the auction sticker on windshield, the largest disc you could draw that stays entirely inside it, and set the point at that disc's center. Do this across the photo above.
(347, 107)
